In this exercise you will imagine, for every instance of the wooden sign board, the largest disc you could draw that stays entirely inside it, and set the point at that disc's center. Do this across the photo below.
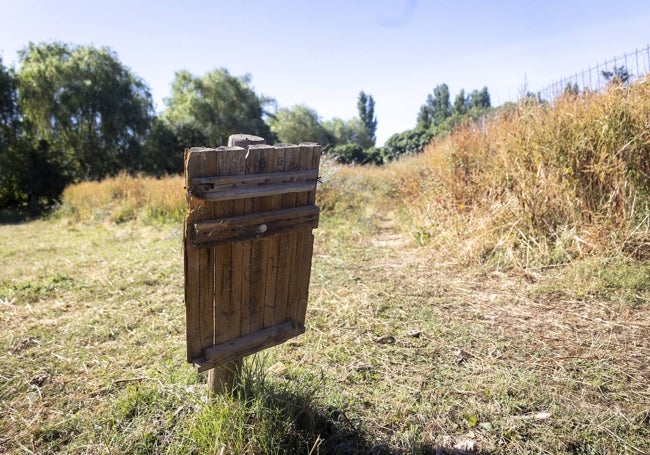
(248, 247)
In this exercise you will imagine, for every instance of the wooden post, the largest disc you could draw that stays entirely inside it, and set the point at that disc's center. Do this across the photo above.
(224, 378)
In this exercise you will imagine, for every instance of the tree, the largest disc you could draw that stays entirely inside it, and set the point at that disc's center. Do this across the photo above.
(571, 89)
(163, 150)
(348, 154)
(33, 175)
(461, 104)
(436, 109)
(480, 99)
(299, 124)
(618, 75)
(216, 105)
(85, 104)
(30, 173)
(8, 105)
(366, 107)
(344, 132)
(8, 133)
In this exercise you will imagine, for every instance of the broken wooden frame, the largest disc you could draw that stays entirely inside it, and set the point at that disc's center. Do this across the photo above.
(248, 246)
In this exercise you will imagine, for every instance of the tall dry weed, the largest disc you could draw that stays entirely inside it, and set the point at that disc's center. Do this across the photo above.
(537, 184)
(125, 198)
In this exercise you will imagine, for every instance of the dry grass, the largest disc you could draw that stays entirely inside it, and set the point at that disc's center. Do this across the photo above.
(126, 198)
(538, 184)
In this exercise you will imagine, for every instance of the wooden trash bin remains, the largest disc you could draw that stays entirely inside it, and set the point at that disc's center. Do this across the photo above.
(248, 246)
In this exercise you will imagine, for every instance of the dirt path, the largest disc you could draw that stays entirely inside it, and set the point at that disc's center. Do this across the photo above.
(528, 307)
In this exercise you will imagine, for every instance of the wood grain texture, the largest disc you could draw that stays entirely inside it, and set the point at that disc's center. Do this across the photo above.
(198, 302)
(249, 344)
(253, 226)
(248, 247)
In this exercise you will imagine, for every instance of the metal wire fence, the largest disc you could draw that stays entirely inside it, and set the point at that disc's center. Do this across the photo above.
(627, 68)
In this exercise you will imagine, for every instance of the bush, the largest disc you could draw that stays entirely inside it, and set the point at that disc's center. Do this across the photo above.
(408, 142)
(355, 154)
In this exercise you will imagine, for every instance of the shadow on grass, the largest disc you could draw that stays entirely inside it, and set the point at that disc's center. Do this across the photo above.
(9, 217)
(286, 416)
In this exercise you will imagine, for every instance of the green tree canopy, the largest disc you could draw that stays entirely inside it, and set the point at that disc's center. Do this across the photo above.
(216, 105)
(83, 102)
(344, 132)
(436, 109)
(8, 106)
(30, 172)
(163, 150)
(617, 75)
(461, 104)
(366, 107)
(8, 119)
(480, 99)
(299, 124)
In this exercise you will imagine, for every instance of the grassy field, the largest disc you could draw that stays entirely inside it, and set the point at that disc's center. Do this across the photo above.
(444, 318)
(404, 351)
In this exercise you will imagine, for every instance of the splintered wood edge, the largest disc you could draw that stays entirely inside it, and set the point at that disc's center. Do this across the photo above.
(247, 345)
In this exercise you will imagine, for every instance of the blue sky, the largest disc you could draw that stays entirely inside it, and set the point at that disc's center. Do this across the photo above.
(322, 53)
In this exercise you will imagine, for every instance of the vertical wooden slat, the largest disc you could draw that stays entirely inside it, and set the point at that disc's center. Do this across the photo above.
(199, 162)
(241, 252)
(311, 156)
(261, 159)
(287, 247)
(191, 266)
(271, 246)
(228, 280)
(305, 162)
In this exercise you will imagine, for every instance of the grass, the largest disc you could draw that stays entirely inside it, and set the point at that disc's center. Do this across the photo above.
(403, 353)
(442, 319)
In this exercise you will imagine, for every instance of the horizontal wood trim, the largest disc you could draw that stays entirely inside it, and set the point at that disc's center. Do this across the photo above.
(253, 185)
(248, 344)
(254, 226)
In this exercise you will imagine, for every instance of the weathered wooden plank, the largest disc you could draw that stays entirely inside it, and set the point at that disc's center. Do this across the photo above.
(263, 159)
(311, 154)
(287, 245)
(271, 247)
(305, 162)
(315, 152)
(254, 226)
(248, 192)
(191, 266)
(244, 140)
(248, 344)
(241, 252)
(198, 185)
(245, 282)
(231, 161)
(198, 283)
(221, 379)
